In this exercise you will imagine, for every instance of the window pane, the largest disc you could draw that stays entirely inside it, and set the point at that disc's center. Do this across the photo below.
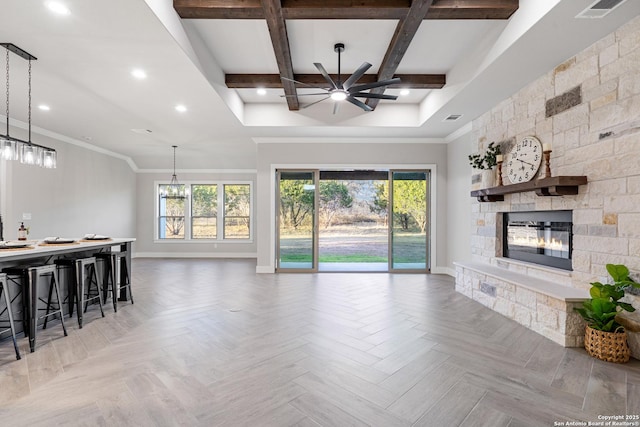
(171, 227)
(204, 211)
(203, 228)
(171, 216)
(237, 205)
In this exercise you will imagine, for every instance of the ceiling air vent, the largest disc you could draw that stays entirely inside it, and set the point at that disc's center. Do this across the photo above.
(142, 131)
(452, 117)
(600, 8)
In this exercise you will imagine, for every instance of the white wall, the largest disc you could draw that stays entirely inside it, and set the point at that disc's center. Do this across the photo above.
(89, 192)
(459, 202)
(148, 247)
(358, 155)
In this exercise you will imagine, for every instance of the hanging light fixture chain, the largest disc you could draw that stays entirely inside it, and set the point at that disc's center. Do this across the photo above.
(29, 102)
(7, 87)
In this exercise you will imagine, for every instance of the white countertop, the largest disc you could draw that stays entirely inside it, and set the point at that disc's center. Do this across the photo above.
(36, 248)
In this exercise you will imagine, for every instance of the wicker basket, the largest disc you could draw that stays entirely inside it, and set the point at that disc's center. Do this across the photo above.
(607, 346)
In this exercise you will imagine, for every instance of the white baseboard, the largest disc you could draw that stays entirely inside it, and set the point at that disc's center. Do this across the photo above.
(265, 269)
(444, 270)
(193, 255)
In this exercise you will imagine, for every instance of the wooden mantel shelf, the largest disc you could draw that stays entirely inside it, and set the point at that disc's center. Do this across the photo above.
(554, 186)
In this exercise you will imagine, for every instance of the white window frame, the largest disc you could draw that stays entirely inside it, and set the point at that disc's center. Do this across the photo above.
(187, 214)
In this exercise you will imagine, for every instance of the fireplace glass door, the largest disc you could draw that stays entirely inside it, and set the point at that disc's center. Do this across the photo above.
(542, 237)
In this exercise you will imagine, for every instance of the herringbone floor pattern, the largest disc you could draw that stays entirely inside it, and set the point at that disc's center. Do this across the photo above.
(210, 343)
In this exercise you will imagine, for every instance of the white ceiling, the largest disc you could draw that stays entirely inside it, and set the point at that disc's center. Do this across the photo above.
(85, 59)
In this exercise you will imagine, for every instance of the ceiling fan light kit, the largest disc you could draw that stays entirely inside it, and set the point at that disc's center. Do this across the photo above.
(348, 90)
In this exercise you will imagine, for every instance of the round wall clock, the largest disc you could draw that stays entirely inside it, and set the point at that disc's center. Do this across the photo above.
(524, 160)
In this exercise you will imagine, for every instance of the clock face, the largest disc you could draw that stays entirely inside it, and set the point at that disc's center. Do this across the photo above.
(524, 160)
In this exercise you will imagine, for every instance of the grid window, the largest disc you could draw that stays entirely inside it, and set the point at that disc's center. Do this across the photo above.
(211, 211)
(204, 211)
(171, 215)
(237, 205)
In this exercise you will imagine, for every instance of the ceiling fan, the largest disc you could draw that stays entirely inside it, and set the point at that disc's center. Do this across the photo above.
(348, 90)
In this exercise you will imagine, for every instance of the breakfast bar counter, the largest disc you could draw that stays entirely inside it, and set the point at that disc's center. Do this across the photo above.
(39, 252)
(39, 249)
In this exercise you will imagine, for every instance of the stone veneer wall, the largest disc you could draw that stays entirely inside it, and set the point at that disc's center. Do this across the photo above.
(588, 109)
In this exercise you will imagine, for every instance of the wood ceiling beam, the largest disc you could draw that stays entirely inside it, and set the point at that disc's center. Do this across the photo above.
(405, 31)
(345, 9)
(280, 41)
(273, 81)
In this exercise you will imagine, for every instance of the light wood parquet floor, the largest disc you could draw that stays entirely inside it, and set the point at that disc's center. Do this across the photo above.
(210, 343)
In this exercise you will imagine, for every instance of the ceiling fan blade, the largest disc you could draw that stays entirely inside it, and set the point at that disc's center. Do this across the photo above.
(356, 75)
(314, 103)
(359, 88)
(358, 103)
(326, 75)
(374, 96)
(300, 83)
(336, 107)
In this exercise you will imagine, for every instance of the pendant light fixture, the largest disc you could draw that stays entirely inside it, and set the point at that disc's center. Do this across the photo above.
(16, 149)
(174, 190)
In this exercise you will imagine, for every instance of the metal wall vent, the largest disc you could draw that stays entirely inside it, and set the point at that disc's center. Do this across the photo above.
(600, 8)
(452, 117)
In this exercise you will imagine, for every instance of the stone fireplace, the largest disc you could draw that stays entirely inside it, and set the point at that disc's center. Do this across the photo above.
(541, 237)
(587, 110)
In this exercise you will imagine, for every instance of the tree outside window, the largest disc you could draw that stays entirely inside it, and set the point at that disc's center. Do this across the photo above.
(237, 211)
(171, 218)
(204, 211)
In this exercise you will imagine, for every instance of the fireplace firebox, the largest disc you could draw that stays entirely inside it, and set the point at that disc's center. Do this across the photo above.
(541, 237)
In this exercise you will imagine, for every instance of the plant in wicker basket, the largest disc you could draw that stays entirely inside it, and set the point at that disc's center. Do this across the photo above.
(605, 338)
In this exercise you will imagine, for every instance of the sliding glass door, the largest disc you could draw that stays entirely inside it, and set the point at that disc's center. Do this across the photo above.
(409, 224)
(297, 247)
(352, 220)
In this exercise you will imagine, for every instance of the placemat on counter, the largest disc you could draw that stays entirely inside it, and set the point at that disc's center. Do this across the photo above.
(16, 249)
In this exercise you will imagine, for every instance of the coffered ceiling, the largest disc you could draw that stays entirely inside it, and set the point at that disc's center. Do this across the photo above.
(406, 17)
(211, 56)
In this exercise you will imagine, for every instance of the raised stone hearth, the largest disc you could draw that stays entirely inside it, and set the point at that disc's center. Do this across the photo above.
(545, 306)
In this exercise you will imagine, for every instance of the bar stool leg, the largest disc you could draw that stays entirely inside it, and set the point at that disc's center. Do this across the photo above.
(85, 268)
(120, 259)
(79, 291)
(95, 276)
(54, 277)
(4, 286)
(33, 310)
(93, 279)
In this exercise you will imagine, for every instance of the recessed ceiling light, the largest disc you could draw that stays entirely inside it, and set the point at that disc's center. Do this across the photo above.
(44, 107)
(181, 108)
(59, 8)
(139, 73)
(261, 91)
(405, 92)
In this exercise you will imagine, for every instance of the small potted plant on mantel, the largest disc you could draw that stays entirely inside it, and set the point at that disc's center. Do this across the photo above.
(485, 162)
(604, 337)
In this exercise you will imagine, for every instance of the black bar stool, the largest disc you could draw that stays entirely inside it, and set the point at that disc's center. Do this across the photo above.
(115, 276)
(4, 287)
(31, 275)
(83, 274)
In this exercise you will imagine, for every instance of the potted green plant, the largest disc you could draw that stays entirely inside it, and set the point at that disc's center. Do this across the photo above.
(485, 162)
(604, 337)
